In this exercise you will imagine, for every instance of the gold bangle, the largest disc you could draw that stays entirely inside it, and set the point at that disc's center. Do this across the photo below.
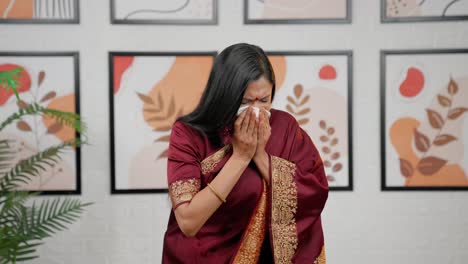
(216, 193)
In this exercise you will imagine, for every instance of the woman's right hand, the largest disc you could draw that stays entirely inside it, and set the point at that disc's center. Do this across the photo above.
(244, 142)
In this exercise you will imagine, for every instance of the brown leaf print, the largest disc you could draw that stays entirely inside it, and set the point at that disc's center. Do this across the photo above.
(422, 141)
(304, 100)
(326, 150)
(291, 100)
(54, 128)
(303, 111)
(324, 138)
(23, 126)
(335, 156)
(303, 121)
(48, 96)
(443, 139)
(337, 167)
(435, 119)
(164, 138)
(452, 87)
(430, 165)
(298, 90)
(163, 154)
(163, 128)
(21, 104)
(40, 78)
(289, 108)
(156, 118)
(145, 98)
(331, 131)
(327, 163)
(330, 178)
(322, 124)
(334, 142)
(171, 110)
(444, 101)
(151, 110)
(456, 112)
(406, 168)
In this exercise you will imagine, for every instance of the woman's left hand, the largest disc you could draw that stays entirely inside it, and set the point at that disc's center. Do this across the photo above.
(264, 132)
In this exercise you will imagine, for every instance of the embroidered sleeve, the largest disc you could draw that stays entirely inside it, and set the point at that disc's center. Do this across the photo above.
(182, 191)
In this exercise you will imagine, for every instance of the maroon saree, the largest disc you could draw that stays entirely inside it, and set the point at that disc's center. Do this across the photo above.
(279, 222)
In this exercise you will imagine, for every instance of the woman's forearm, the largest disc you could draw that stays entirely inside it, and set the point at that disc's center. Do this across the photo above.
(262, 161)
(192, 216)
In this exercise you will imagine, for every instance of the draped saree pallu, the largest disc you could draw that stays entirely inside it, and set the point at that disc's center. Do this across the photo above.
(279, 221)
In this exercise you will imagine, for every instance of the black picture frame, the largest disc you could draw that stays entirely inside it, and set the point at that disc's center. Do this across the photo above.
(385, 19)
(383, 133)
(75, 56)
(111, 55)
(181, 22)
(349, 56)
(75, 20)
(346, 20)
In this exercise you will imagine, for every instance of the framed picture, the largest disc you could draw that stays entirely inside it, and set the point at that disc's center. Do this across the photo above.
(148, 92)
(424, 105)
(40, 11)
(423, 11)
(165, 12)
(50, 79)
(297, 11)
(316, 88)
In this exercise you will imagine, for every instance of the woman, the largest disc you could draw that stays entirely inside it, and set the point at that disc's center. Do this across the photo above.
(244, 189)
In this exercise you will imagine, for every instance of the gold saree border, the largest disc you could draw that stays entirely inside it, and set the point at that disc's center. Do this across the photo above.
(283, 210)
(184, 190)
(252, 241)
(209, 163)
(321, 259)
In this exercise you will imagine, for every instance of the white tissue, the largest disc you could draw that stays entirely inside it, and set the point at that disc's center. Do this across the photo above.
(254, 108)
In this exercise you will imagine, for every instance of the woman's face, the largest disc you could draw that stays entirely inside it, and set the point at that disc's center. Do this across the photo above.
(258, 94)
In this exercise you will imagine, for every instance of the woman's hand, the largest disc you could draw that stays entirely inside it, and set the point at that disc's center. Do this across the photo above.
(245, 135)
(264, 133)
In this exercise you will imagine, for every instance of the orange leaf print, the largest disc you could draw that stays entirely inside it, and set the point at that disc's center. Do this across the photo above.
(430, 165)
(435, 119)
(303, 121)
(326, 150)
(330, 178)
(327, 163)
(324, 138)
(331, 131)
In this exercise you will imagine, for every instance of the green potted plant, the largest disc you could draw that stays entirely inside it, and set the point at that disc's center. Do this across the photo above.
(25, 223)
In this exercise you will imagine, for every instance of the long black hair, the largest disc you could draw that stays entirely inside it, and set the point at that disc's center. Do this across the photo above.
(233, 69)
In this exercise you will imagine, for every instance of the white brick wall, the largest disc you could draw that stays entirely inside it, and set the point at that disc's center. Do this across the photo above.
(365, 226)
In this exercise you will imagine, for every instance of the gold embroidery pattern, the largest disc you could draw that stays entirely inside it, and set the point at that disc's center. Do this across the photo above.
(184, 190)
(283, 210)
(251, 245)
(321, 259)
(208, 164)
